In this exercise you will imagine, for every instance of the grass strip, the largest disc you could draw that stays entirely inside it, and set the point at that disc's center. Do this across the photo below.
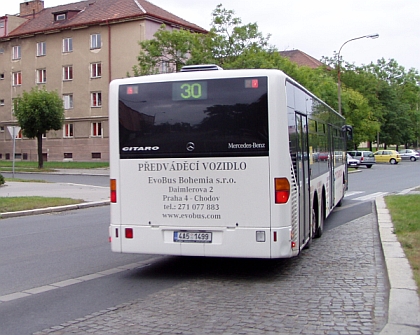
(49, 166)
(14, 204)
(405, 214)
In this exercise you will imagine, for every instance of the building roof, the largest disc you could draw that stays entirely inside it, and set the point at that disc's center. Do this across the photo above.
(301, 58)
(94, 12)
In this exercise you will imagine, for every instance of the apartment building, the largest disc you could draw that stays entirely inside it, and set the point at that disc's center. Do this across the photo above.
(75, 49)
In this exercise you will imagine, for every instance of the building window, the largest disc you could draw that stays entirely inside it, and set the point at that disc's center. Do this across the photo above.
(60, 17)
(16, 52)
(68, 101)
(68, 72)
(67, 45)
(68, 130)
(1, 76)
(41, 76)
(96, 155)
(95, 70)
(1, 102)
(17, 78)
(96, 99)
(96, 129)
(41, 49)
(68, 155)
(164, 67)
(95, 41)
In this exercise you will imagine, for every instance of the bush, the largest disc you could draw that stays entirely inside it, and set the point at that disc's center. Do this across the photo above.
(1, 179)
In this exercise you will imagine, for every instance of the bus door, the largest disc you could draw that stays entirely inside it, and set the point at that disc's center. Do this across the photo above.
(331, 162)
(302, 166)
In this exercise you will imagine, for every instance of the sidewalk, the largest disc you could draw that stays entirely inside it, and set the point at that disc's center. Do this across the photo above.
(404, 304)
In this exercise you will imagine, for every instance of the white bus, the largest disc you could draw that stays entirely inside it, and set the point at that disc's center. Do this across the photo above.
(223, 163)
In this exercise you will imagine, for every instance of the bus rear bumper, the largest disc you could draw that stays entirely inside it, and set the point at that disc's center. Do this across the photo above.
(225, 242)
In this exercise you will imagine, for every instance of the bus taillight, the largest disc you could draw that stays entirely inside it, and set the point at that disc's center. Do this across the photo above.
(282, 190)
(113, 186)
(129, 233)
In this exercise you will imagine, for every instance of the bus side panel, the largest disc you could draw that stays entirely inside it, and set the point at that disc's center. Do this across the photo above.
(339, 183)
(114, 158)
(284, 217)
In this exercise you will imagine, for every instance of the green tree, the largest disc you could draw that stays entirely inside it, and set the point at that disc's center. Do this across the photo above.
(37, 112)
(377, 99)
(392, 94)
(169, 48)
(226, 45)
(231, 39)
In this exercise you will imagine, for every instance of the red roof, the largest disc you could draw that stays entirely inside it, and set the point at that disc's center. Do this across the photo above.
(93, 12)
(301, 58)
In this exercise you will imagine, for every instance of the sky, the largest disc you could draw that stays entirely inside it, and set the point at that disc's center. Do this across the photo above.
(318, 28)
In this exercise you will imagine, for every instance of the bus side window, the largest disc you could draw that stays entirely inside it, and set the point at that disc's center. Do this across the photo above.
(348, 131)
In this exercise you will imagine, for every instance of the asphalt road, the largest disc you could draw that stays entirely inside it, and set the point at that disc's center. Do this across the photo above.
(386, 178)
(94, 180)
(46, 250)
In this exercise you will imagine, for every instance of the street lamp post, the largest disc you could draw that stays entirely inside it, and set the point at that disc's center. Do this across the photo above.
(339, 65)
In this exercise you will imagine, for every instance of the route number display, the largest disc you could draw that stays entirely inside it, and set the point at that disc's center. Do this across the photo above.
(192, 90)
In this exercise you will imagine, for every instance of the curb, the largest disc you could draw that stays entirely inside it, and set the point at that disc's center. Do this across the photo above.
(404, 303)
(54, 209)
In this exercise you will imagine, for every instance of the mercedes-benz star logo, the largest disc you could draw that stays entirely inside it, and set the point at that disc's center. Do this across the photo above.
(190, 146)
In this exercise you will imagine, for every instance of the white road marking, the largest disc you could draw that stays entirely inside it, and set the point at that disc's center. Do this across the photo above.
(371, 196)
(72, 281)
(349, 194)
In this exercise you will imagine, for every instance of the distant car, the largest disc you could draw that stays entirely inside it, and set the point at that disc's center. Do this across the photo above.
(387, 156)
(409, 154)
(352, 162)
(365, 158)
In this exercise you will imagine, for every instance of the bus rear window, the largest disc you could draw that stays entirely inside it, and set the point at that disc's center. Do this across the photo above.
(202, 118)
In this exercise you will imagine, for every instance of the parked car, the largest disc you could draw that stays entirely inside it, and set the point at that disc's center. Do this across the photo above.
(365, 158)
(387, 156)
(409, 154)
(352, 162)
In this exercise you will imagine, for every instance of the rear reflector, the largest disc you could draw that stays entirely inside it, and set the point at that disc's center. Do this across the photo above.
(129, 233)
(282, 190)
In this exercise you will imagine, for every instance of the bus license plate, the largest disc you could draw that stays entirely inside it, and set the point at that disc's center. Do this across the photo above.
(192, 236)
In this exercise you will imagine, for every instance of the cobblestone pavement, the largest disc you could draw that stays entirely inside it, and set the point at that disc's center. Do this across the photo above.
(339, 286)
